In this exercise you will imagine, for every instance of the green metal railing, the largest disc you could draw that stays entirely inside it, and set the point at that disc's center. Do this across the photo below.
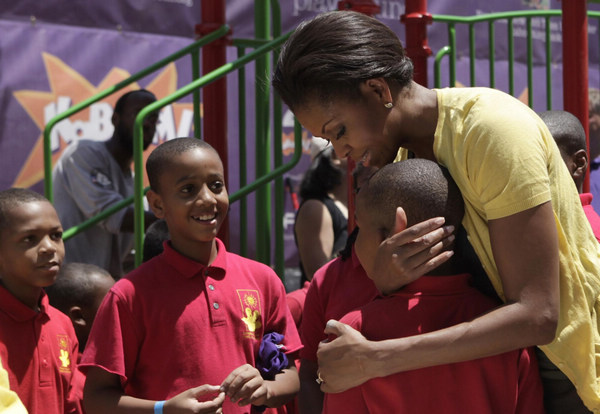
(189, 50)
(491, 19)
(264, 175)
(261, 180)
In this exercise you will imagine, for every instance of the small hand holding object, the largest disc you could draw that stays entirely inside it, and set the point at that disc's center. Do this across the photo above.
(197, 400)
(244, 385)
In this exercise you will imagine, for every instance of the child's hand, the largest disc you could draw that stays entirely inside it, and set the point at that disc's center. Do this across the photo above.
(195, 400)
(245, 386)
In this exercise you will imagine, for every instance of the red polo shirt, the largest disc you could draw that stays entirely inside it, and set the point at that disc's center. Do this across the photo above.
(505, 383)
(590, 213)
(39, 351)
(337, 288)
(173, 323)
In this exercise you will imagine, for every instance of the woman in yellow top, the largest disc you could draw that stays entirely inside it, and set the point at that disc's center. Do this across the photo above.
(346, 78)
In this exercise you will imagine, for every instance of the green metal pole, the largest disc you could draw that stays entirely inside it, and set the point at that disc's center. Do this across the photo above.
(511, 58)
(263, 152)
(492, 53)
(452, 37)
(529, 64)
(472, 54)
(242, 154)
(278, 155)
(548, 66)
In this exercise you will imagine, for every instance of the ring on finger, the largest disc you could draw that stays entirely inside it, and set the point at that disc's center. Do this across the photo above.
(319, 379)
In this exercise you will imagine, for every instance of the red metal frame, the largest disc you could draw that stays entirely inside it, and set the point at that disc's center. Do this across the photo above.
(416, 19)
(214, 95)
(575, 66)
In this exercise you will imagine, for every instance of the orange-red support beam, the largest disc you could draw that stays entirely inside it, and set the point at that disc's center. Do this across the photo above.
(214, 95)
(416, 19)
(575, 65)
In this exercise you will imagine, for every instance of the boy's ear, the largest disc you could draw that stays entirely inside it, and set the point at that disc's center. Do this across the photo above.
(76, 316)
(580, 160)
(155, 203)
(401, 220)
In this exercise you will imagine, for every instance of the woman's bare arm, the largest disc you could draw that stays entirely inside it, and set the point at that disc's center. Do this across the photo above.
(525, 248)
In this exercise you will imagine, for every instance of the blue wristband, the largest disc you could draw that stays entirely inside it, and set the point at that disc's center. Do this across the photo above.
(158, 407)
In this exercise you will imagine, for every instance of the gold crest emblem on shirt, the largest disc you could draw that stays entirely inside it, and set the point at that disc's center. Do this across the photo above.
(64, 356)
(250, 302)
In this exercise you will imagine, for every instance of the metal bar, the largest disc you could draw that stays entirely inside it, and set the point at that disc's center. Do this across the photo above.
(472, 54)
(262, 137)
(511, 57)
(278, 155)
(492, 53)
(548, 66)
(575, 65)
(452, 38)
(222, 31)
(195, 55)
(277, 171)
(529, 64)
(242, 154)
(436, 67)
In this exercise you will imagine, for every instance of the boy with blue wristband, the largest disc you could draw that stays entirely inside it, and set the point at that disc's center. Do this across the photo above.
(182, 332)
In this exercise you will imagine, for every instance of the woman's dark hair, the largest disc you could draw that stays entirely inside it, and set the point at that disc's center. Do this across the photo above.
(321, 177)
(329, 56)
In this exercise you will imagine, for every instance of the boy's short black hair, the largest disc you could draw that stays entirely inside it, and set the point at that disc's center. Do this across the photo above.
(162, 157)
(75, 286)
(421, 187)
(566, 130)
(14, 197)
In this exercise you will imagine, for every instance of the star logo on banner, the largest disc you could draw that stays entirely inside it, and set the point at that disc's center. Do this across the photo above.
(68, 88)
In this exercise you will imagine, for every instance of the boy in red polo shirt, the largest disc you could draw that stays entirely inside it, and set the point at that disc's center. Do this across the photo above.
(569, 135)
(187, 325)
(38, 346)
(502, 384)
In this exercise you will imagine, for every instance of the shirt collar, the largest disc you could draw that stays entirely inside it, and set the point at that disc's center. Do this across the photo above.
(189, 268)
(17, 310)
(586, 199)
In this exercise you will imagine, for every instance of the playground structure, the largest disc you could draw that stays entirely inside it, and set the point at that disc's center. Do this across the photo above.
(215, 36)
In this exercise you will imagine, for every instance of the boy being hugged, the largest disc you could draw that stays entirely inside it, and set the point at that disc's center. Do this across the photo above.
(38, 346)
(181, 333)
(500, 384)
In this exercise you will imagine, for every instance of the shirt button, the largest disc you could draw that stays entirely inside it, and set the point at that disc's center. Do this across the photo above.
(45, 363)
(211, 287)
(216, 305)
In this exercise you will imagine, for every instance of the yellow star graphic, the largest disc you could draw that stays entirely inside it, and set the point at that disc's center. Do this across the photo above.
(64, 81)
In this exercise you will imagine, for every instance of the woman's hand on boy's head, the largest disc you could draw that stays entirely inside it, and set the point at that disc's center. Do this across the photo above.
(244, 385)
(411, 253)
(205, 399)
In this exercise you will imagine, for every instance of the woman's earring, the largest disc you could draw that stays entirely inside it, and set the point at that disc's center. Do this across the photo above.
(389, 105)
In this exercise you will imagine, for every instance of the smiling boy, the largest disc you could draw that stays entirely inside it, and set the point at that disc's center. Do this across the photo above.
(38, 345)
(186, 326)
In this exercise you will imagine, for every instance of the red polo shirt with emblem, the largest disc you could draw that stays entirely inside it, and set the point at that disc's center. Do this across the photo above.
(173, 323)
(337, 288)
(500, 384)
(39, 351)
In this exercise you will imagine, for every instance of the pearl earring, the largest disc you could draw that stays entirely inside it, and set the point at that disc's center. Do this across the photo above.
(389, 105)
